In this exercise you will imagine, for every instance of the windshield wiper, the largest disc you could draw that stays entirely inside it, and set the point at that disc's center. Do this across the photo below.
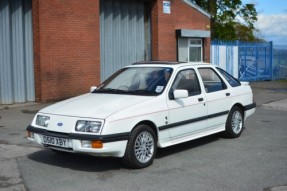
(110, 90)
(143, 92)
(117, 91)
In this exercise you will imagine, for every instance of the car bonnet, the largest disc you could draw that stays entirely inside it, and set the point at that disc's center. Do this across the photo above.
(94, 105)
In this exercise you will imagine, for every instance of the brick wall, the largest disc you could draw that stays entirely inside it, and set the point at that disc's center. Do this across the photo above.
(66, 39)
(66, 47)
(183, 16)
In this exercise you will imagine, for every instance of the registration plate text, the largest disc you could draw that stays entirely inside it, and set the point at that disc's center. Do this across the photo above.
(55, 141)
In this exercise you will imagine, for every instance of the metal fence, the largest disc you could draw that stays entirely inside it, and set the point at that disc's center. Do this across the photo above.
(250, 61)
(225, 55)
(279, 64)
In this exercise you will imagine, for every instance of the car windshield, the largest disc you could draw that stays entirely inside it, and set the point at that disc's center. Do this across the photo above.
(137, 81)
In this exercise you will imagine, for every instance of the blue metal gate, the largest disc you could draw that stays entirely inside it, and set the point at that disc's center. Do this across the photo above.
(244, 60)
(279, 64)
(255, 61)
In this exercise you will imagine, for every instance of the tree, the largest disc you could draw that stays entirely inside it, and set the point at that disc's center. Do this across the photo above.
(230, 19)
(245, 33)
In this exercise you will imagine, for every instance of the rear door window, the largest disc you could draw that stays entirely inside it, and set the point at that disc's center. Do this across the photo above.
(211, 80)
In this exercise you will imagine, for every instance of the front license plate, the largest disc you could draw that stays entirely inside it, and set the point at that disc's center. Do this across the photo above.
(55, 141)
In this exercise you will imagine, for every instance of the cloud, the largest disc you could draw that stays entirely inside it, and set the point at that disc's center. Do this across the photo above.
(273, 27)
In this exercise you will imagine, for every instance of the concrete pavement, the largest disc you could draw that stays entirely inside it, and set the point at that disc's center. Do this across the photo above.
(10, 177)
(278, 105)
(13, 143)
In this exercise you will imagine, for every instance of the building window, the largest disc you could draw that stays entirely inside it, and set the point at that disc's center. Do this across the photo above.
(195, 50)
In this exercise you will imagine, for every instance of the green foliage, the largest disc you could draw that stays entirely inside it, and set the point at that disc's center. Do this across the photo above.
(230, 19)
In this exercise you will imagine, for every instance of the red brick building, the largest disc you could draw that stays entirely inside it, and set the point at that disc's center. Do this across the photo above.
(77, 44)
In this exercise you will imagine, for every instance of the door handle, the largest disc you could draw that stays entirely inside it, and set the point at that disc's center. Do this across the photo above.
(200, 99)
(227, 94)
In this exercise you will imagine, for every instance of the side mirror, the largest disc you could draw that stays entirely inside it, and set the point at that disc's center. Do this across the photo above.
(180, 94)
(92, 88)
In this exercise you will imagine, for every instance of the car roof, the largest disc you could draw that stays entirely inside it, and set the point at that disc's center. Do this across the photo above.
(173, 64)
(158, 62)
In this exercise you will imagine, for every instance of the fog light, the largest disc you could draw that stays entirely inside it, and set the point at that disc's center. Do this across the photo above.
(97, 144)
(87, 144)
(31, 135)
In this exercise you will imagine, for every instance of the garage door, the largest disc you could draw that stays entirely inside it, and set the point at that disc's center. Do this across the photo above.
(125, 34)
(16, 52)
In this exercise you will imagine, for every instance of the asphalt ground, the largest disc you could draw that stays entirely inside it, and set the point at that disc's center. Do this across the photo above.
(255, 161)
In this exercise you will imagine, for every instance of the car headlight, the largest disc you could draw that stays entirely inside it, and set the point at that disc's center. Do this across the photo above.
(42, 120)
(88, 126)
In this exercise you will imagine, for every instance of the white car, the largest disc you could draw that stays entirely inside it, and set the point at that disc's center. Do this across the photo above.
(145, 106)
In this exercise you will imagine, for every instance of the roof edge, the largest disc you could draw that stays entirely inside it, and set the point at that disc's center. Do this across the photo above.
(195, 6)
(158, 62)
(192, 33)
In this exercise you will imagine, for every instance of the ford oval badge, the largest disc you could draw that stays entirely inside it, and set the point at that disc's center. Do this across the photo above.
(60, 124)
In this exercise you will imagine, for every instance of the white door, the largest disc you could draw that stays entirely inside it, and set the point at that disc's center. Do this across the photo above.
(217, 97)
(187, 115)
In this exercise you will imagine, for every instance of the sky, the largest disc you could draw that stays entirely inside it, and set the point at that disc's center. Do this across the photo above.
(272, 20)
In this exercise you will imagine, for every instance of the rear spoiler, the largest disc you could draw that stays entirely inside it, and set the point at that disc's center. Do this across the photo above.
(244, 83)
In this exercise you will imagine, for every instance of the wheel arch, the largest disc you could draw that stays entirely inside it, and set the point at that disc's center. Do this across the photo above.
(150, 124)
(241, 107)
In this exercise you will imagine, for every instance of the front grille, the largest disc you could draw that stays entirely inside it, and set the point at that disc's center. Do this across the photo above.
(57, 134)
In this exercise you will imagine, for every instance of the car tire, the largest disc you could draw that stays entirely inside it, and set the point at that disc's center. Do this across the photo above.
(234, 123)
(141, 147)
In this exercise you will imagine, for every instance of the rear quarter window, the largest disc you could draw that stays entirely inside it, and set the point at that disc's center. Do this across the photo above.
(231, 80)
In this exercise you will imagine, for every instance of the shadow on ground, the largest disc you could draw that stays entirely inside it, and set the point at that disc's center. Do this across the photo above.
(77, 162)
(88, 163)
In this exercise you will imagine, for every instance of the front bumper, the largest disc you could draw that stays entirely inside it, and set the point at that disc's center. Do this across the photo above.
(113, 145)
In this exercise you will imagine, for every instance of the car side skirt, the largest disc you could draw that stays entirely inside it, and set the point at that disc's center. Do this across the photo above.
(192, 136)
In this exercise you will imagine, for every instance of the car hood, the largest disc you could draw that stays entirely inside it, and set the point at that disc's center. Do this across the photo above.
(94, 105)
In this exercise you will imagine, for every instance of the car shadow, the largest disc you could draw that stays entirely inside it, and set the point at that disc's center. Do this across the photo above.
(164, 152)
(88, 163)
(79, 162)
